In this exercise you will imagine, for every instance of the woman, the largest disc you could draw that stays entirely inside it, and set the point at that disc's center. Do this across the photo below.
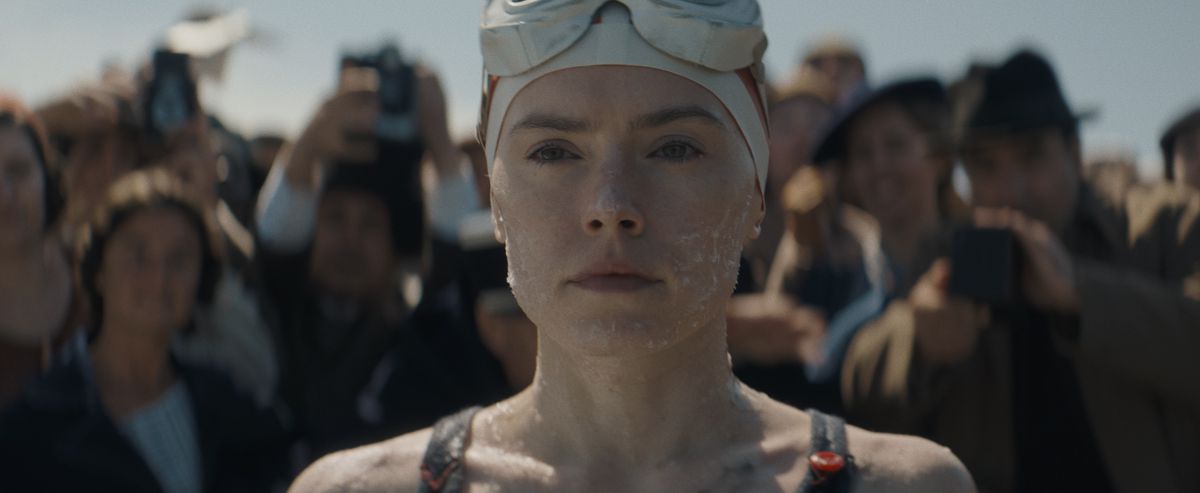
(895, 151)
(119, 413)
(36, 293)
(624, 186)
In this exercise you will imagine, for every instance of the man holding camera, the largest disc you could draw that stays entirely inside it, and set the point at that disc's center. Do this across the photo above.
(1083, 379)
(343, 226)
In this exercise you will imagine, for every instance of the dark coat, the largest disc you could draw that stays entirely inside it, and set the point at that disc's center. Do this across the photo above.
(1133, 347)
(58, 437)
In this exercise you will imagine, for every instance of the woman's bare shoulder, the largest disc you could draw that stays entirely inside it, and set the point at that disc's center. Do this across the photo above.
(392, 465)
(906, 463)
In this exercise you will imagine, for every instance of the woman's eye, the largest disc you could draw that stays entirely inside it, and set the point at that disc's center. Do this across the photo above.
(550, 153)
(677, 151)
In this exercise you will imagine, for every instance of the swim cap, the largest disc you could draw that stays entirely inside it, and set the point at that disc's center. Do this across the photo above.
(717, 44)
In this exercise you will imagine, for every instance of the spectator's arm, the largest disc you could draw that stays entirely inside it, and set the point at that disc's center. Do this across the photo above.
(880, 368)
(450, 193)
(434, 127)
(287, 210)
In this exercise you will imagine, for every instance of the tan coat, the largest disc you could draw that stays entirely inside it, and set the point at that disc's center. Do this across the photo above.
(1137, 356)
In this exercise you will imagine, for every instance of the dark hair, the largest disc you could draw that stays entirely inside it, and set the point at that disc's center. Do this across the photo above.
(15, 115)
(137, 192)
(934, 119)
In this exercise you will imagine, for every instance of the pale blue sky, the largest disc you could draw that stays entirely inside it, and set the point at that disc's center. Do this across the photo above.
(1137, 61)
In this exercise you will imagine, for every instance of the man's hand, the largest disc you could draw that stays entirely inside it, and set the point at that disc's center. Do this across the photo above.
(766, 329)
(1048, 273)
(946, 327)
(87, 112)
(342, 129)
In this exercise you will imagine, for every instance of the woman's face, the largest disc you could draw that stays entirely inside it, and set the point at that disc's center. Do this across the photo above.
(150, 272)
(22, 189)
(624, 196)
(890, 168)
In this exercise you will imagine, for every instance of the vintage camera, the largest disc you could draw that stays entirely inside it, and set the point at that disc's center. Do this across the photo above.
(984, 265)
(397, 81)
(397, 139)
(170, 96)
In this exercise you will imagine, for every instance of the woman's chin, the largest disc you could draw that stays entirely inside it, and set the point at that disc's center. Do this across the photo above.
(613, 334)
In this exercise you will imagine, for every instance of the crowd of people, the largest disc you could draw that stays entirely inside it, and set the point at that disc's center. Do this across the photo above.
(184, 308)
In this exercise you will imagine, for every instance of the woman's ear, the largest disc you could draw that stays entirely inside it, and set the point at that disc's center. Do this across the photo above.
(498, 222)
(755, 224)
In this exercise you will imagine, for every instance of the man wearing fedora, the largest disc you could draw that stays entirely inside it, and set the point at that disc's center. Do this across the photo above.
(1180, 145)
(1087, 381)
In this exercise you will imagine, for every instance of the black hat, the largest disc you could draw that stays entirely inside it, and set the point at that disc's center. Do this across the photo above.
(1020, 94)
(833, 143)
(1190, 119)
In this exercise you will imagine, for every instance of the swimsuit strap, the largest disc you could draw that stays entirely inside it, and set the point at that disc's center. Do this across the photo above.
(441, 469)
(830, 465)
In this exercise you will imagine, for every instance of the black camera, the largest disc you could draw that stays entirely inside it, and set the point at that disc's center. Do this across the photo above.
(397, 91)
(170, 96)
(397, 139)
(984, 265)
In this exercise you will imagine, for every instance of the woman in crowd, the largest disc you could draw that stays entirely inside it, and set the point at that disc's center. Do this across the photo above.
(118, 412)
(895, 150)
(627, 150)
(37, 302)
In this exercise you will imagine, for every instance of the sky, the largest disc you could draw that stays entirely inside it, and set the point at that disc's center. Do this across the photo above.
(1136, 61)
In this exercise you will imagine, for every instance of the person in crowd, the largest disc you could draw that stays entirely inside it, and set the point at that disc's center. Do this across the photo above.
(237, 338)
(800, 110)
(840, 62)
(1112, 172)
(367, 348)
(1081, 379)
(104, 131)
(264, 148)
(895, 154)
(1180, 145)
(94, 129)
(119, 412)
(38, 302)
(892, 148)
(624, 184)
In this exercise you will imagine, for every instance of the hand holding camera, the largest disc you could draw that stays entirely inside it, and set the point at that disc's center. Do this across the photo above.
(342, 129)
(1047, 273)
(947, 326)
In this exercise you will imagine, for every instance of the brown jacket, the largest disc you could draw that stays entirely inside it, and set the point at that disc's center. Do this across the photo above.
(1135, 347)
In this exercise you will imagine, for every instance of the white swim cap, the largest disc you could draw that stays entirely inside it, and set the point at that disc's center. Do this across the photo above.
(715, 43)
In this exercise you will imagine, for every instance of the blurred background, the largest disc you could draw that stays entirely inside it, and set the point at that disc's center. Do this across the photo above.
(1133, 61)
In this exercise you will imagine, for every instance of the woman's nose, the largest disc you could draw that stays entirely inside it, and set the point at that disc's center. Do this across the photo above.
(612, 208)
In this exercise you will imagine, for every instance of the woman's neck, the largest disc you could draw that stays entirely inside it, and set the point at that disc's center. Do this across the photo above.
(132, 369)
(903, 244)
(611, 413)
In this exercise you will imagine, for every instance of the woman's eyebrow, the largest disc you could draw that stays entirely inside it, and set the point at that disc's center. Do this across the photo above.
(545, 121)
(675, 113)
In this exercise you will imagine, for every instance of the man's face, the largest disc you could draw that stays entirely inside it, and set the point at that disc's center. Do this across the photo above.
(1186, 159)
(352, 252)
(1035, 172)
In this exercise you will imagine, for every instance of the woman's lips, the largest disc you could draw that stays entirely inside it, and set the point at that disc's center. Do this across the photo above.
(612, 277)
(613, 283)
